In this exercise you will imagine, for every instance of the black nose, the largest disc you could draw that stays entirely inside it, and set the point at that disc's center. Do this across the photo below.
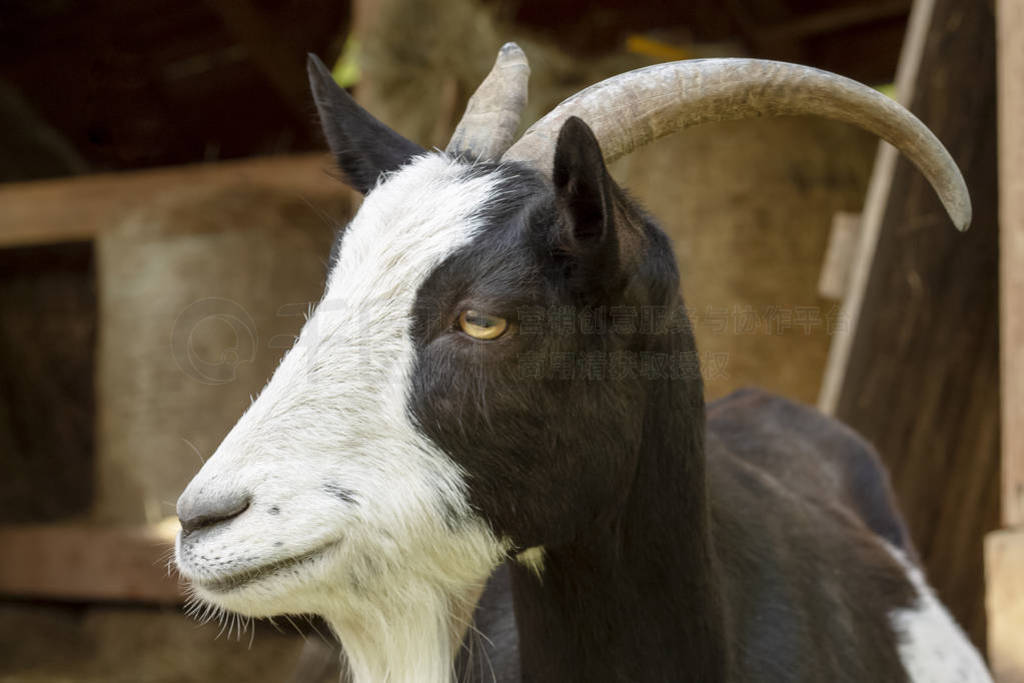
(210, 511)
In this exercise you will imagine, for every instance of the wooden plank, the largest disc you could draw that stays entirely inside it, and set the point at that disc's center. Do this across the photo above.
(1004, 569)
(86, 562)
(78, 208)
(835, 19)
(923, 358)
(1011, 257)
(842, 245)
(875, 202)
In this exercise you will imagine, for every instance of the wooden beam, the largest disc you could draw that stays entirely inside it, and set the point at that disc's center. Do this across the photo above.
(90, 563)
(1004, 568)
(835, 19)
(1011, 255)
(923, 356)
(79, 208)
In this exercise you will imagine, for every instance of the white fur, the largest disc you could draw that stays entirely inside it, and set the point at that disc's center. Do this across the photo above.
(931, 645)
(385, 572)
(533, 559)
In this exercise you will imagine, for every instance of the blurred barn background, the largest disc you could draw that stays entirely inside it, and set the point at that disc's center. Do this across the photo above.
(166, 214)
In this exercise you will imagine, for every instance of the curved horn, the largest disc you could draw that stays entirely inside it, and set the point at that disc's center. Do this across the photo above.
(492, 115)
(634, 108)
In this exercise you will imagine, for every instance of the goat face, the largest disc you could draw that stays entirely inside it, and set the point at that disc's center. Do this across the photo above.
(326, 483)
(546, 419)
(452, 397)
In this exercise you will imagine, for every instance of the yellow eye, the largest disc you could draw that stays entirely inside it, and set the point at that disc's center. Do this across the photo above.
(481, 325)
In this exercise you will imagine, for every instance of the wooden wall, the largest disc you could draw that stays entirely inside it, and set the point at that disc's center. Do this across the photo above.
(922, 380)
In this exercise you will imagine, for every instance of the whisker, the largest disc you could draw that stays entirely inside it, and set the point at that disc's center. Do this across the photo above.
(195, 450)
(309, 620)
(297, 629)
(274, 624)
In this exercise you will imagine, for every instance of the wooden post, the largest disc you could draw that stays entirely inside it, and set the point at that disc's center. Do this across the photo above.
(1011, 264)
(921, 370)
(1004, 576)
(1004, 550)
(878, 198)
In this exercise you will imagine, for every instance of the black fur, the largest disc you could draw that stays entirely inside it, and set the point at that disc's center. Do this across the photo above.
(343, 494)
(670, 554)
(363, 147)
(742, 545)
(490, 653)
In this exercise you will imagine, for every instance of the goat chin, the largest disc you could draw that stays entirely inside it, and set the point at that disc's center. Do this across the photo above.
(398, 620)
(413, 635)
(416, 644)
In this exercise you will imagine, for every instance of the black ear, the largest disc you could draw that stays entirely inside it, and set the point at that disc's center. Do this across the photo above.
(363, 146)
(585, 193)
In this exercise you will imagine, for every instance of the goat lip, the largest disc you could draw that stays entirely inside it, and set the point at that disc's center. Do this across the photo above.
(239, 580)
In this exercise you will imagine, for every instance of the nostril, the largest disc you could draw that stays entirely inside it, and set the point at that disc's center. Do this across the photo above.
(211, 512)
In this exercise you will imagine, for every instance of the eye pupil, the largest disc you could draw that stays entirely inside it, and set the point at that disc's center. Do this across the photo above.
(474, 318)
(481, 325)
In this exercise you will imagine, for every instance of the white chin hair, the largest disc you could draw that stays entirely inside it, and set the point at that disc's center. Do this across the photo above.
(398, 619)
(285, 587)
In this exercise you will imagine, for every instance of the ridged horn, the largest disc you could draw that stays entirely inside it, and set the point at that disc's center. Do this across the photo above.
(634, 108)
(489, 125)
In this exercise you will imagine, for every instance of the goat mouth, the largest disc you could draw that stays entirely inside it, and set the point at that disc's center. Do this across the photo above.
(244, 578)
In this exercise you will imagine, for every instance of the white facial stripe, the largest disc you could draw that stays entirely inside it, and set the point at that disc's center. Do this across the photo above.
(932, 647)
(333, 418)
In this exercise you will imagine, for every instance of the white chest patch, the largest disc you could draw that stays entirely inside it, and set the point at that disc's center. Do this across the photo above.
(932, 647)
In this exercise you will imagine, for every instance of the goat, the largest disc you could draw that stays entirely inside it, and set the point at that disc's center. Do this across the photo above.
(501, 368)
